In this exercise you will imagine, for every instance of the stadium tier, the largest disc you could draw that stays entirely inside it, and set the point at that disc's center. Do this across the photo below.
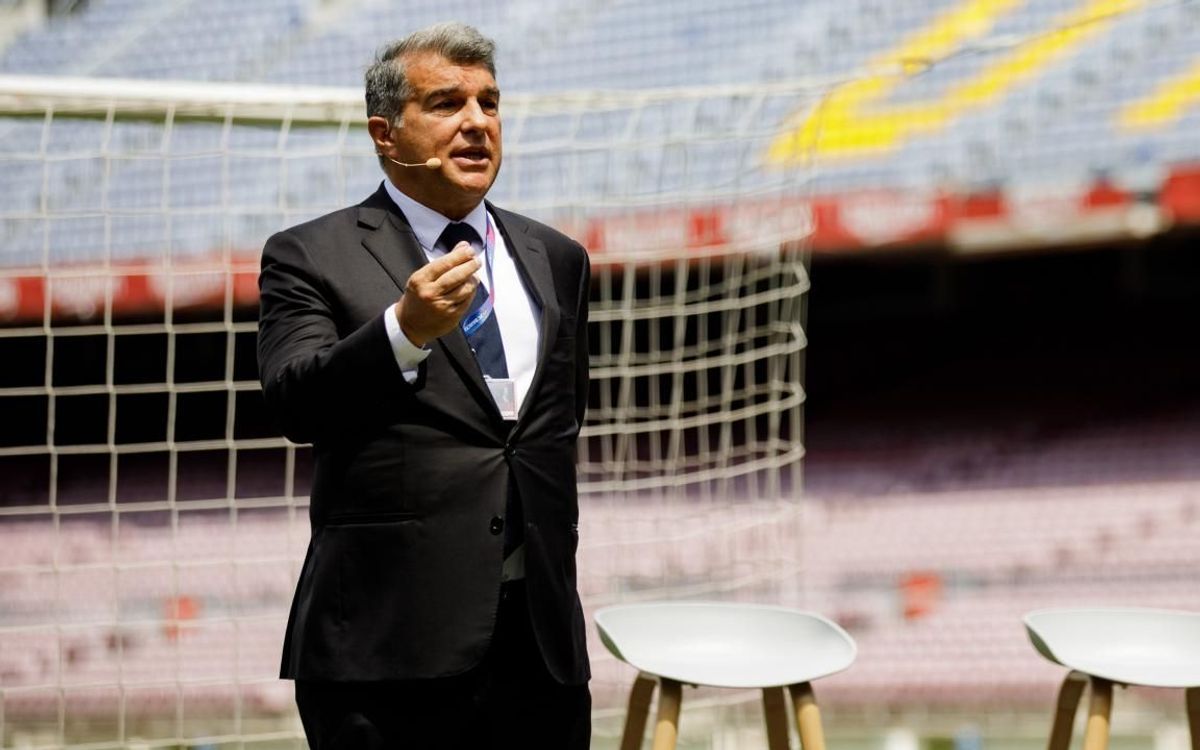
(976, 124)
(932, 586)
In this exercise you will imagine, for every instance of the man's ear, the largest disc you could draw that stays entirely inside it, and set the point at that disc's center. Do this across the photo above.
(381, 133)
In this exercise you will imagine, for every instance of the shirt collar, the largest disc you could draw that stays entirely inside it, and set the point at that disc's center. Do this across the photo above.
(428, 224)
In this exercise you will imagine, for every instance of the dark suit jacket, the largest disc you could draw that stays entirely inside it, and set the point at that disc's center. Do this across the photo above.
(402, 575)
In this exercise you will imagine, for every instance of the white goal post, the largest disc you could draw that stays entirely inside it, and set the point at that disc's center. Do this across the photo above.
(151, 525)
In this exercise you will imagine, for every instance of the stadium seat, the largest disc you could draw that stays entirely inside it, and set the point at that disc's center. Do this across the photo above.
(1125, 646)
(724, 645)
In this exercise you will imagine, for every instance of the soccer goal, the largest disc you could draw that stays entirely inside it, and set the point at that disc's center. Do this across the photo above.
(152, 522)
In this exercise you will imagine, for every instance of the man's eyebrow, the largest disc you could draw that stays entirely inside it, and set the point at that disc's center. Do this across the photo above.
(447, 91)
(491, 91)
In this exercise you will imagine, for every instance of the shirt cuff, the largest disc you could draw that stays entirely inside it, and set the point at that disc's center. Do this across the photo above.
(409, 356)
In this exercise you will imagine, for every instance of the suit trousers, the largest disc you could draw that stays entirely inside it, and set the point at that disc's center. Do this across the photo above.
(509, 700)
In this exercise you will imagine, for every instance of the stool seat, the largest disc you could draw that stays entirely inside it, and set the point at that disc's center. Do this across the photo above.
(725, 645)
(1105, 646)
(1152, 647)
(777, 650)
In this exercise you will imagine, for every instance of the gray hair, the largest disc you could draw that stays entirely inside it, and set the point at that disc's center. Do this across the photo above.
(387, 85)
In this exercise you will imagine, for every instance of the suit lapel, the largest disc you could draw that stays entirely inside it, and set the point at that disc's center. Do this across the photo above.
(397, 250)
(392, 241)
(529, 255)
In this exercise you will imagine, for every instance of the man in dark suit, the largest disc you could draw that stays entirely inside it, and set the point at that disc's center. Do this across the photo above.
(433, 349)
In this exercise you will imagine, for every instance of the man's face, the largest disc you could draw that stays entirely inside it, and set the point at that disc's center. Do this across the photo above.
(454, 114)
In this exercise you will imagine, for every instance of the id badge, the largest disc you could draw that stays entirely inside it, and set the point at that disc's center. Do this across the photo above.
(504, 393)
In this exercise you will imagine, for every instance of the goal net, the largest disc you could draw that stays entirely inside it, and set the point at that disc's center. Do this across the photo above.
(152, 522)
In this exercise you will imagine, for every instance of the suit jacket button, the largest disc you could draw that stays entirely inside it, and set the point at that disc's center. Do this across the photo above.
(509, 451)
(497, 526)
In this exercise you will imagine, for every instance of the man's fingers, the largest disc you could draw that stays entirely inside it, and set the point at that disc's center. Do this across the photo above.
(436, 268)
(442, 276)
(457, 276)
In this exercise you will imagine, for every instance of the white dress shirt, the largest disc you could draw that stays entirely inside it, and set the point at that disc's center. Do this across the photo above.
(516, 311)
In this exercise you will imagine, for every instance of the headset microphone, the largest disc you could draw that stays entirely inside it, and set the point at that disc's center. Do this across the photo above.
(431, 163)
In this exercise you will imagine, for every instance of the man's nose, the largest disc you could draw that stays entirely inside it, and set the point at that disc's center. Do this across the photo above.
(474, 117)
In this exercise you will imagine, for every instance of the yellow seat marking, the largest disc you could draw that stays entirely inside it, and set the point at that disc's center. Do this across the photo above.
(1167, 104)
(846, 125)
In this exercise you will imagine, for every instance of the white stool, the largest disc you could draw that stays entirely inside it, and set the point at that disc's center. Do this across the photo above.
(724, 645)
(1128, 646)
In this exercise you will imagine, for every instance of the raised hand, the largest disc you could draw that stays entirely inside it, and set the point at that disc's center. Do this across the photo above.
(438, 295)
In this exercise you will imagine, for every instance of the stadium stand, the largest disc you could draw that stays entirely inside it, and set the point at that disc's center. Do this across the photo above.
(1066, 126)
(994, 553)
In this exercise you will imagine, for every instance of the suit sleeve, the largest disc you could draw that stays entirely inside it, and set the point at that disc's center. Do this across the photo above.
(319, 383)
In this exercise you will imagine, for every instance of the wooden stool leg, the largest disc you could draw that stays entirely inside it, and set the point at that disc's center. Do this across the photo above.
(1193, 712)
(775, 711)
(666, 731)
(639, 708)
(1099, 711)
(1068, 704)
(808, 717)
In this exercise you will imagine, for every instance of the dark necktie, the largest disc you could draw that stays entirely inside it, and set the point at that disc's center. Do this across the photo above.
(485, 340)
(488, 347)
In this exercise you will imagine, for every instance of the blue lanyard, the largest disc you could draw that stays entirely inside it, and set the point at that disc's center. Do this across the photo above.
(475, 320)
